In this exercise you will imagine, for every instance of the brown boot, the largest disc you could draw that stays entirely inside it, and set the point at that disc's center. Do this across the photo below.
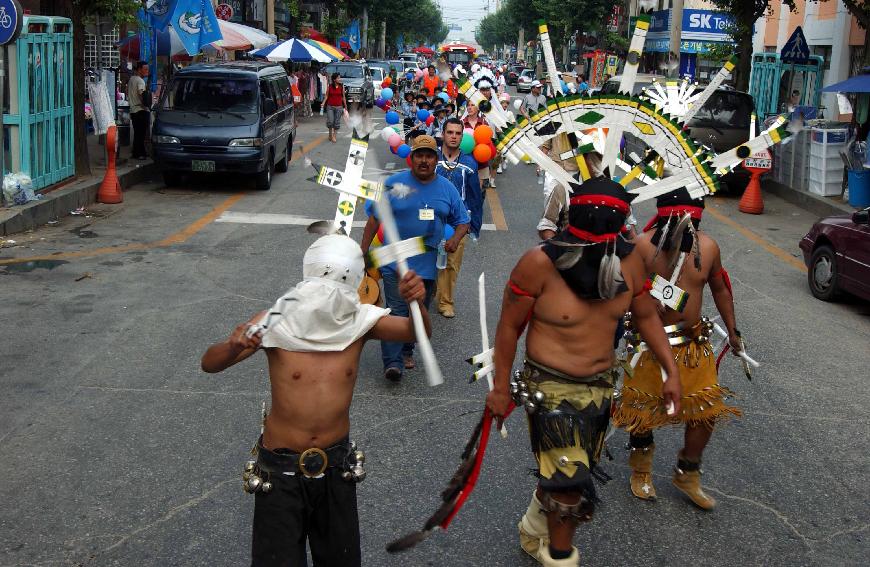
(687, 477)
(641, 461)
(534, 534)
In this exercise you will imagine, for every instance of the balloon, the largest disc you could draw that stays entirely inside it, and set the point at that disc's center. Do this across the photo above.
(564, 85)
(386, 133)
(387, 94)
(404, 150)
(409, 75)
(418, 74)
(430, 120)
(395, 141)
(388, 105)
(468, 131)
(408, 161)
(387, 82)
(393, 150)
(467, 143)
(392, 117)
(482, 134)
(423, 114)
(448, 232)
(444, 96)
(517, 104)
(379, 102)
(482, 153)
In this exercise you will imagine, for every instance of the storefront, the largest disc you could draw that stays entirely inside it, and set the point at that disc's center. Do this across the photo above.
(701, 31)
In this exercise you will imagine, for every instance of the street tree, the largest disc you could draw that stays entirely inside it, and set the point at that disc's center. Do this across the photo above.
(860, 9)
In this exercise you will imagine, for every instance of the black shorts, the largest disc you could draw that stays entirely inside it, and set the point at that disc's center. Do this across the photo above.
(320, 510)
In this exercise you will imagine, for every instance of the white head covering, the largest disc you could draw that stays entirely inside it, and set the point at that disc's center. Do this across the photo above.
(323, 312)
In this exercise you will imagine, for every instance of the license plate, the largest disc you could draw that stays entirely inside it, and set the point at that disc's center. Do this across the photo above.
(202, 165)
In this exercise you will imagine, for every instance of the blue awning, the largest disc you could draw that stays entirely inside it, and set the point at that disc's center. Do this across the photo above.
(856, 84)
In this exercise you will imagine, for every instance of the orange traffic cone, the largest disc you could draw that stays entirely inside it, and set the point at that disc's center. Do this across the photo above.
(751, 202)
(110, 188)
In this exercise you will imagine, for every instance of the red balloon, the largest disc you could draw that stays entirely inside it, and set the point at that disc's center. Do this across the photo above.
(387, 105)
(393, 150)
(493, 149)
(482, 134)
(482, 153)
(430, 120)
(387, 82)
(408, 159)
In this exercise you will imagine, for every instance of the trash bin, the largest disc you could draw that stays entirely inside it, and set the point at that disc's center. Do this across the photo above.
(859, 187)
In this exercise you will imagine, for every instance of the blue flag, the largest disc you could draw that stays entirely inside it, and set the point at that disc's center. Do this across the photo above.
(160, 12)
(196, 24)
(352, 34)
(400, 43)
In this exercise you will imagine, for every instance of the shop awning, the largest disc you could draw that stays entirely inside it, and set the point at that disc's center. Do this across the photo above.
(856, 84)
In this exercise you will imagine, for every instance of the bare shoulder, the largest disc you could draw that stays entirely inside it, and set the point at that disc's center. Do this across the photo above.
(708, 245)
(532, 270)
(634, 270)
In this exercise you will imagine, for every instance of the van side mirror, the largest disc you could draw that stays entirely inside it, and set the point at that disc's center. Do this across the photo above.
(269, 106)
(861, 217)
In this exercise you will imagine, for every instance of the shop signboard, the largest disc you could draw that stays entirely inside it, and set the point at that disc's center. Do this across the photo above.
(700, 29)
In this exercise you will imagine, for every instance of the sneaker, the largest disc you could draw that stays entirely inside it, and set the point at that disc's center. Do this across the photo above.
(499, 170)
(409, 361)
(393, 374)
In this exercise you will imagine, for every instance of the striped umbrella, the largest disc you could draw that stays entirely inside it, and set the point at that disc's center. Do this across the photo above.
(336, 53)
(292, 50)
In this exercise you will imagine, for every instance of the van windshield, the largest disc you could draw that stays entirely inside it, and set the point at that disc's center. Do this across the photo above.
(346, 71)
(212, 94)
(725, 110)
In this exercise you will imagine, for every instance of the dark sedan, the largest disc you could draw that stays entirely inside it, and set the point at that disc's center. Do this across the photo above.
(514, 74)
(837, 253)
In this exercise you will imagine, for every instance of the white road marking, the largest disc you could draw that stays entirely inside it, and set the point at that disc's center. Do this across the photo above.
(274, 218)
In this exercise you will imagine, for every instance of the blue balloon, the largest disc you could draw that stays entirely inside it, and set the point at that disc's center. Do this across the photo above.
(564, 86)
(422, 115)
(409, 76)
(444, 96)
(387, 93)
(379, 102)
(404, 151)
(392, 117)
(448, 232)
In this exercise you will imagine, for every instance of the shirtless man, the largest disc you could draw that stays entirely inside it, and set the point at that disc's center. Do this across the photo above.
(569, 373)
(703, 401)
(306, 467)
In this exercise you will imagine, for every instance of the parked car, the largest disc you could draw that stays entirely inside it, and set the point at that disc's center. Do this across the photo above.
(524, 82)
(357, 80)
(837, 254)
(377, 79)
(234, 117)
(380, 63)
(721, 124)
(513, 74)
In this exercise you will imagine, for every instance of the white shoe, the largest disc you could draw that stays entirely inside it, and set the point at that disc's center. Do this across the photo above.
(499, 170)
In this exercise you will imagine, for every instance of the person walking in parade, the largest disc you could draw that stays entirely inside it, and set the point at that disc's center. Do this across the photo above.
(461, 170)
(423, 204)
(336, 105)
(306, 469)
(140, 109)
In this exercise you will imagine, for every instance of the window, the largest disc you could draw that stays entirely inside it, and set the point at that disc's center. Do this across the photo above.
(725, 110)
(212, 94)
(825, 52)
(282, 87)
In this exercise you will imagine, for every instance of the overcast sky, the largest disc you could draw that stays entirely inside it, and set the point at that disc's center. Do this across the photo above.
(466, 13)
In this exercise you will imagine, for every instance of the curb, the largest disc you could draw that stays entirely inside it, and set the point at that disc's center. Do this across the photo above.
(822, 206)
(59, 203)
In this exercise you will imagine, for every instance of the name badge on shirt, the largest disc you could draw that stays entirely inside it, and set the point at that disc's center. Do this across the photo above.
(427, 214)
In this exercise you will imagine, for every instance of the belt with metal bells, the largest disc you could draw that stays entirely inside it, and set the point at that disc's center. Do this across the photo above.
(522, 397)
(677, 335)
(312, 463)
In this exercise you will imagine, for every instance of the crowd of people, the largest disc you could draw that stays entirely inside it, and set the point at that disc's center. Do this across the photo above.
(569, 296)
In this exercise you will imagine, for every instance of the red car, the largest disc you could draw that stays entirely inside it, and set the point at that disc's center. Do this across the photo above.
(837, 253)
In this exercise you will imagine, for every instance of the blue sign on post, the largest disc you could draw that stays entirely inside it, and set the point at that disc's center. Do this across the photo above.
(795, 49)
(10, 20)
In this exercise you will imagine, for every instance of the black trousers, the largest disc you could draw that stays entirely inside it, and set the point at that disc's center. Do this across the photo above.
(141, 122)
(322, 511)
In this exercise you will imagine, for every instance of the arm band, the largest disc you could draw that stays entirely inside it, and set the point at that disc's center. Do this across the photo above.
(726, 279)
(647, 286)
(517, 290)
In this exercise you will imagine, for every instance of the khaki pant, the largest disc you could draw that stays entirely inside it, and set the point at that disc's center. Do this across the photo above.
(447, 276)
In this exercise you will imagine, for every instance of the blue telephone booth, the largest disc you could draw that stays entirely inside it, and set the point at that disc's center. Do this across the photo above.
(38, 129)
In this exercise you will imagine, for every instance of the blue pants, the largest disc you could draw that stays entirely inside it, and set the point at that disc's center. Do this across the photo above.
(392, 352)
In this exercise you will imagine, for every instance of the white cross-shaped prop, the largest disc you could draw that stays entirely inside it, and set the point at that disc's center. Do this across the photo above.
(484, 359)
(349, 183)
(385, 214)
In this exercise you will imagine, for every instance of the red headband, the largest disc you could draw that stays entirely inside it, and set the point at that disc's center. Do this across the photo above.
(606, 200)
(678, 210)
(591, 236)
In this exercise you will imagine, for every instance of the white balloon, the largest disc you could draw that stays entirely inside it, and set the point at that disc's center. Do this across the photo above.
(518, 103)
(387, 132)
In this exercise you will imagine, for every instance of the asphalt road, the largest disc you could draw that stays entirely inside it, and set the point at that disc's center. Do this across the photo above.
(115, 449)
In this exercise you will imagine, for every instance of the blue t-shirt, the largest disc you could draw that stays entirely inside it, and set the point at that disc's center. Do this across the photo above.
(439, 196)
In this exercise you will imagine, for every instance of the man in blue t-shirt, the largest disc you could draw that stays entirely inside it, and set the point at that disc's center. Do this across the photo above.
(461, 170)
(423, 203)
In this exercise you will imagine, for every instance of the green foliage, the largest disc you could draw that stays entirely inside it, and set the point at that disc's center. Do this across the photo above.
(615, 42)
(120, 11)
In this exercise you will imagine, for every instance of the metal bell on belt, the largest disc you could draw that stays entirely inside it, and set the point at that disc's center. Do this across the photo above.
(538, 397)
(254, 484)
(266, 487)
(531, 407)
(249, 466)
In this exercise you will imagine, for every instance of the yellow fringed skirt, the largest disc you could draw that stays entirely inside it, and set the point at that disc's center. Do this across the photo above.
(641, 407)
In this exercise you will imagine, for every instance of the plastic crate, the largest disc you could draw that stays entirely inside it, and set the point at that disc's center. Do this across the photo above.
(825, 182)
(827, 151)
(830, 136)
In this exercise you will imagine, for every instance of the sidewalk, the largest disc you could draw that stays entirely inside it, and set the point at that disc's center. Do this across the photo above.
(821, 206)
(73, 193)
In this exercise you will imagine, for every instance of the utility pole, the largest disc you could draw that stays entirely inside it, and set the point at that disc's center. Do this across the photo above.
(676, 36)
(521, 46)
(382, 44)
(270, 16)
(364, 33)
